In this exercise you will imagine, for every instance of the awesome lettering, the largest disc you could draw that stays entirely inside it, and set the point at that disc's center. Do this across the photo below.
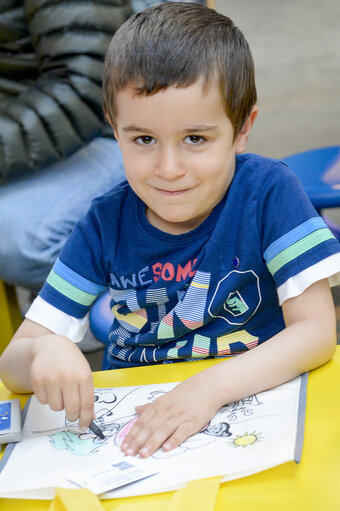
(165, 271)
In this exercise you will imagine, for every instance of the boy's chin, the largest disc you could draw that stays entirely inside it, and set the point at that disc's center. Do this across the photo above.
(174, 223)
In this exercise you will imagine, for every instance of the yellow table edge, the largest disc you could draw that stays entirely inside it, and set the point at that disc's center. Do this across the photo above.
(286, 485)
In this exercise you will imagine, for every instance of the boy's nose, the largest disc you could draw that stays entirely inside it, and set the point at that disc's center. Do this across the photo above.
(169, 165)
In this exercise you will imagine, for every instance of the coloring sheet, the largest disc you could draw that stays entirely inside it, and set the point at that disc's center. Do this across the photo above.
(244, 437)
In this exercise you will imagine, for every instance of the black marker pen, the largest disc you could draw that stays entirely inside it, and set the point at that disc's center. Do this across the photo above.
(97, 431)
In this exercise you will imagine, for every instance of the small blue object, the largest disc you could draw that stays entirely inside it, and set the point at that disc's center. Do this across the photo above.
(319, 173)
(236, 262)
(5, 416)
(101, 319)
(10, 421)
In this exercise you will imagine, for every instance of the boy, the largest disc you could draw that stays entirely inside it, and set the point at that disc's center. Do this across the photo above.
(206, 252)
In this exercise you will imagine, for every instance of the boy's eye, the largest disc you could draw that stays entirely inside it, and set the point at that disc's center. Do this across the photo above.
(145, 140)
(194, 139)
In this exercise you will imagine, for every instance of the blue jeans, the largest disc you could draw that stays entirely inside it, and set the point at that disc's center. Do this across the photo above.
(38, 212)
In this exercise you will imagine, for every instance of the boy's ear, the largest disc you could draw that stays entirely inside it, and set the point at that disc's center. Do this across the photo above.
(115, 133)
(108, 120)
(242, 137)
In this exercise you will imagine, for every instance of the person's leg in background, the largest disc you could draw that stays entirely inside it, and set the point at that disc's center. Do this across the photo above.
(38, 213)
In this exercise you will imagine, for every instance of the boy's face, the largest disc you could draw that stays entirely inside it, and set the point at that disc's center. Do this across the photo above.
(178, 152)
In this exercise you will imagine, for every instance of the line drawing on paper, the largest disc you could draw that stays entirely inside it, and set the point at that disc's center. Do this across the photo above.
(116, 427)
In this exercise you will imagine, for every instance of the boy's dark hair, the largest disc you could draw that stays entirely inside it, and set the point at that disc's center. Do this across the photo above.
(176, 44)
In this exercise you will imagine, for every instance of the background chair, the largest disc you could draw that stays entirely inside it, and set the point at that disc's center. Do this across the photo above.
(101, 318)
(319, 173)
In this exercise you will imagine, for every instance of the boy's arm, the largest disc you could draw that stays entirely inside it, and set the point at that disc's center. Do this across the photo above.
(308, 341)
(53, 368)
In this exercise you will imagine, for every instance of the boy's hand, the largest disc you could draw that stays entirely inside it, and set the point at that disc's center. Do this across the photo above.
(61, 377)
(171, 418)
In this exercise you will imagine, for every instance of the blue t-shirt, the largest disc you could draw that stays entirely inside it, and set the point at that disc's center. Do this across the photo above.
(209, 292)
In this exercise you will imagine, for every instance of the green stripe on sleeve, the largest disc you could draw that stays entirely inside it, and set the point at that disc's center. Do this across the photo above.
(67, 289)
(298, 248)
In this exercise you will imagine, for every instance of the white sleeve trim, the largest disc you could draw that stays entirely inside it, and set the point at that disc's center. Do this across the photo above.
(56, 320)
(327, 268)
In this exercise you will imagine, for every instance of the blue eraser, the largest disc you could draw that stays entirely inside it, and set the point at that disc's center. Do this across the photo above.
(10, 421)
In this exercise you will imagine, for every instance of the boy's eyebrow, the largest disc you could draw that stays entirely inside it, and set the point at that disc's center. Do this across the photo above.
(193, 127)
(200, 127)
(135, 128)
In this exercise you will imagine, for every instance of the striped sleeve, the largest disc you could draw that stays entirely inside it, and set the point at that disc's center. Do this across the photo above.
(72, 292)
(297, 242)
(295, 237)
(79, 275)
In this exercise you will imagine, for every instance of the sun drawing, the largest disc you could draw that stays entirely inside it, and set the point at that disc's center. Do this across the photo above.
(246, 439)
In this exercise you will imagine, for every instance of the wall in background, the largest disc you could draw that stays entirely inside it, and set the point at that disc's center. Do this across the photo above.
(295, 45)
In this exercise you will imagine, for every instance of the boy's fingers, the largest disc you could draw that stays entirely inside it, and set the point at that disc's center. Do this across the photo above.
(169, 436)
(55, 398)
(141, 440)
(143, 422)
(140, 408)
(151, 437)
(140, 432)
(41, 395)
(159, 436)
(86, 403)
(72, 402)
(183, 432)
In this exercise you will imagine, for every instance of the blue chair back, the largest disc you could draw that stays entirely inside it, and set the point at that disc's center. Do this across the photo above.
(319, 173)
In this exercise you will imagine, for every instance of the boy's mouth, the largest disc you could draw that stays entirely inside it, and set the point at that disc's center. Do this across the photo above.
(172, 192)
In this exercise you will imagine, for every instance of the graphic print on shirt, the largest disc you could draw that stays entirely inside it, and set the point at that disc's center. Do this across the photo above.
(240, 305)
(235, 304)
(152, 327)
(190, 310)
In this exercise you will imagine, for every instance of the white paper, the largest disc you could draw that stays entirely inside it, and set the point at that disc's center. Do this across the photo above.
(244, 437)
(110, 476)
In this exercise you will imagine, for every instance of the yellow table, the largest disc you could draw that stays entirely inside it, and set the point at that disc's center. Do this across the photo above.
(312, 485)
